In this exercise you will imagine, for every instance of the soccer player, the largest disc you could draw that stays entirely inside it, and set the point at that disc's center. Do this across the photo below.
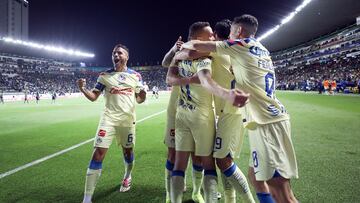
(122, 87)
(273, 161)
(195, 122)
(37, 97)
(230, 130)
(2, 97)
(155, 91)
(53, 97)
(169, 140)
(333, 87)
(26, 99)
(326, 86)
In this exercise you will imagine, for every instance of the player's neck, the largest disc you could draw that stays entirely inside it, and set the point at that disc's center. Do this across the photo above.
(120, 68)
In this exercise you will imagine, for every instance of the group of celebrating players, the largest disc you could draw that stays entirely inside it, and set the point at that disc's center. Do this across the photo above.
(228, 69)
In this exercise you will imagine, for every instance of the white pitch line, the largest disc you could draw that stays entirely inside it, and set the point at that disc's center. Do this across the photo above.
(3, 175)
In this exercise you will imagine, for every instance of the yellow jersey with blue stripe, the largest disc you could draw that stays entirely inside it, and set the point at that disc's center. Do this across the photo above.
(222, 74)
(193, 98)
(119, 91)
(254, 73)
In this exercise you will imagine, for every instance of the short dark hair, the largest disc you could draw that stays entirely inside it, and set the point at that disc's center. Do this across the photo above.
(121, 46)
(196, 27)
(248, 22)
(222, 28)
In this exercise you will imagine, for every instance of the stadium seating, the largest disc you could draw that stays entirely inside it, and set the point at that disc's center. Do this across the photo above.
(334, 57)
(18, 73)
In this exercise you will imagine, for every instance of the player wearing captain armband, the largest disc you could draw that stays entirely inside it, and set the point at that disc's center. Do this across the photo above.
(121, 87)
(273, 161)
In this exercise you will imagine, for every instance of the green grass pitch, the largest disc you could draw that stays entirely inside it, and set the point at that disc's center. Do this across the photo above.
(325, 132)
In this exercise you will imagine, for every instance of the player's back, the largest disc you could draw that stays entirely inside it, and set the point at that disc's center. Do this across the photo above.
(254, 73)
(194, 98)
(222, 74)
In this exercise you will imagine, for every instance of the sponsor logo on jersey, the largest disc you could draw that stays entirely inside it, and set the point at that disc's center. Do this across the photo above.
(121, 91)
(102, 133)
(257, 51)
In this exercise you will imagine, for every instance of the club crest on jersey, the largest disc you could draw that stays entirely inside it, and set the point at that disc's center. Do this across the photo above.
(122, 78)
(102, 133)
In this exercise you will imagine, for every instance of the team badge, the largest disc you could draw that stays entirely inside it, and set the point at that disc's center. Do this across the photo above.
(98, 140)
(122, 78)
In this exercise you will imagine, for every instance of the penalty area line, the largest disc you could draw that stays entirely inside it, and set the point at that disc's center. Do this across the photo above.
(3, 175)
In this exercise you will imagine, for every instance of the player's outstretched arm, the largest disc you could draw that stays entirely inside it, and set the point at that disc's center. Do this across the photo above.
(174, 79)
(141, 96)
(201, 46)
(91, 95)
(236, 97)
(171, 53)
(187, 54)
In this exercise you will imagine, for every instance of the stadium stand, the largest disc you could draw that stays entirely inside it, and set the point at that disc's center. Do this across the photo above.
(331, 57)
(20, 73)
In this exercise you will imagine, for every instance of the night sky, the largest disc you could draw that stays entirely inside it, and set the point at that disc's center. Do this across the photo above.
(147, 28)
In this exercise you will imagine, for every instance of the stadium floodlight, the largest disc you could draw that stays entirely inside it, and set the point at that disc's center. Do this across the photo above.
(285, 20)
(49, 48)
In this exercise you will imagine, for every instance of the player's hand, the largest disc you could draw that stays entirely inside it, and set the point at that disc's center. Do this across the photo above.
(178, 44)
(238, 97)
(81, 83)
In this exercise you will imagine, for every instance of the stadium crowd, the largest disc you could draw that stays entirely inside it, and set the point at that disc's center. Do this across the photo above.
(19, 74)
(306, 67)
(332, 58)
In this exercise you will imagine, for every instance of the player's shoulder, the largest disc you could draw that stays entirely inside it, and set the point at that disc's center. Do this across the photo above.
(107, 72)
(134, 73)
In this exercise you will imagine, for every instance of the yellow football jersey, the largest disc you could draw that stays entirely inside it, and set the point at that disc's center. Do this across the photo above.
(119, 92)
(194, 98)
(222, 74)
(174, 96)
(254, 73)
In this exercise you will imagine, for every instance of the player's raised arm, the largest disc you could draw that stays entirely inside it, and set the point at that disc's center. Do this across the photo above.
(201, 46)
(93, 94)
(236, 97)
(173, 78)
(171, 53)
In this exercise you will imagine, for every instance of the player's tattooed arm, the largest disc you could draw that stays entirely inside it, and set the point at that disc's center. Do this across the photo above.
(171, 53)
(91, 95)
(236, 97)
(174, 79)
(141, 96)
(202, 46)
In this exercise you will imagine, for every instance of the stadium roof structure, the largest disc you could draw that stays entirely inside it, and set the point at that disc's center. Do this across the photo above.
(318, 18)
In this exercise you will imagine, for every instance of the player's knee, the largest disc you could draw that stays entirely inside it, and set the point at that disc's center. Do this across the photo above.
(224, 163)
(208, 163)
(128, 154)
(171, 155)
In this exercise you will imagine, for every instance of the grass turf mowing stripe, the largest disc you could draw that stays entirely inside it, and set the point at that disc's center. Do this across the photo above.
(3, 175)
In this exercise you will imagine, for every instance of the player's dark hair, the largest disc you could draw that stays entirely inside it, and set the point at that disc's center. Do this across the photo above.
(196, 27)
(121, 46)
(222, 29)
(248, 22)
